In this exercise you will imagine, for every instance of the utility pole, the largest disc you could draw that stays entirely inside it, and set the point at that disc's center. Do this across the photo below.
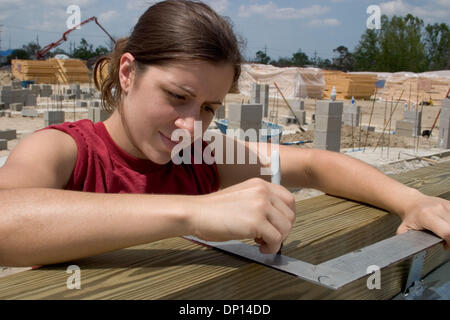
(1, 36)
(315, 58)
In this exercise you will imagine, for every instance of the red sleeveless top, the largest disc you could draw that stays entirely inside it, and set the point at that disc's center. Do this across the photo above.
(103, 167)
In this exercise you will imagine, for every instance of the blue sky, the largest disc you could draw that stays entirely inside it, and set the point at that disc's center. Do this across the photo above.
(284, 26)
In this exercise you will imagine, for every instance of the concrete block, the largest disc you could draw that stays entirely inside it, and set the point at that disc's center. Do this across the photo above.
(91, 113)
(444, 138)
(3, 144)
(264, 99)
(297, 104)
(29, 112)
(245, 112)
(101, 115)
(8, 134)
(255, 96)
(30, 100)
(220, 113)
(54, 117)
(370, 129)
(405, 125)
(325, 123)
(331, 108)
(81, 104)
(301, 116)
(16, 106)
(327, 138)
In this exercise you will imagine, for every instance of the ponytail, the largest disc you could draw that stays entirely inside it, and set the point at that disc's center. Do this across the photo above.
(106, 76)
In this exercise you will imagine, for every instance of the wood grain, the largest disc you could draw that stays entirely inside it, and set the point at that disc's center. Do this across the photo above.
(326, 227)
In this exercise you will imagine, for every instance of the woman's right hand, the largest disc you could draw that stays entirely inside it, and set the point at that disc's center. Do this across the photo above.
(254, 209)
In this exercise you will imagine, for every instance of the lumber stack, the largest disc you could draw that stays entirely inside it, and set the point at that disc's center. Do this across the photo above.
(38, 71)
(71, 71)
(360, 86)
(52, 71)
(416, 87)
(294, 82)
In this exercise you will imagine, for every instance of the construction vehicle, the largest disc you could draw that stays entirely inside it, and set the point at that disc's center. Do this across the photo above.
(47, 48)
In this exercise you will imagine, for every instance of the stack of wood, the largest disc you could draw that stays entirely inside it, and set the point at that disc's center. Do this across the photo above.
(359, 86)
(416, 87)
(52, 71)
(38, 71)
(71, 71)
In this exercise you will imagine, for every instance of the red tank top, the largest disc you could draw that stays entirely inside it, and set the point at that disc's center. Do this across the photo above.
(103, 167)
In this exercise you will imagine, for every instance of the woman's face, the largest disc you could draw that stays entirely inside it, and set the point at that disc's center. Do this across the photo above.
(165, 98)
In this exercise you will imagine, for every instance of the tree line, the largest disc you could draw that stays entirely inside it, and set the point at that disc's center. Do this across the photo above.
(84, 51)
(402, 44)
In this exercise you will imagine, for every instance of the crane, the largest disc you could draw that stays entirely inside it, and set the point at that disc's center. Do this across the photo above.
(41, 54)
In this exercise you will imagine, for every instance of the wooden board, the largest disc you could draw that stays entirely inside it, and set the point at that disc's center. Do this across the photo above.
(326, 227)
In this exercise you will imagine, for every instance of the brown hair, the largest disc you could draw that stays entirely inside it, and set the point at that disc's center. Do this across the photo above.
(170, 31)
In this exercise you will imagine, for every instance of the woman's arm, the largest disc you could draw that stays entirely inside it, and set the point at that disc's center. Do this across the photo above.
(342, 176)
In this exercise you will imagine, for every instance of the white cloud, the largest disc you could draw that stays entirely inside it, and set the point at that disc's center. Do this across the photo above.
(140, 4)
(426, 11)
(272, 11)
(108, 16)
(331, 22)
(219, 5)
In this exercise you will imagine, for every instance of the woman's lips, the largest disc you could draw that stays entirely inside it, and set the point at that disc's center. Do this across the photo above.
(169, 143)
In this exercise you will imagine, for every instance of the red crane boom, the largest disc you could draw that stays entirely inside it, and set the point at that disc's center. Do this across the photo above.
(47, 48)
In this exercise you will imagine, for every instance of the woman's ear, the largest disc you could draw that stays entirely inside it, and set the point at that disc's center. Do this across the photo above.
(126, 72)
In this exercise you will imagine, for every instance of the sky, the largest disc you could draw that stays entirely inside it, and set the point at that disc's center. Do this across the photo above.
(278, 27)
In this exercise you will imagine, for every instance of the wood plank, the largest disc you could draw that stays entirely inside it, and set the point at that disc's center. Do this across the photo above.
(326, 227)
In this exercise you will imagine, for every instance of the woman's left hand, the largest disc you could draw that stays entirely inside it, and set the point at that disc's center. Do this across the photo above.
(429, 213)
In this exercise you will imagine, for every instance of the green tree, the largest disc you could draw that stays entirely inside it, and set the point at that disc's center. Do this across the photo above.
(262, 58)
(401, 45)
(437, 43)
(367, 52)
(18, 54)
(32, 48)
(300, 59)
(344, 60)
(84, 51)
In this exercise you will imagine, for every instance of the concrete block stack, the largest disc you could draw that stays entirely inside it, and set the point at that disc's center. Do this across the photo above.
(97, 114)
(54, 117)
(245, 117)
(29, 112)
(444, 125)
(10, 95)
(220, 113)
(3, 144)
(328, 117)
(298, 106)
(81, 104)
(16, 106)
(45, 90)
(75, 89)
(351, 116)
(8, 134)
(260, 95)
(410, 126)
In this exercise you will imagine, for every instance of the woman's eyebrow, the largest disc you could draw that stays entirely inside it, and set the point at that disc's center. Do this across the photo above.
(192, 93)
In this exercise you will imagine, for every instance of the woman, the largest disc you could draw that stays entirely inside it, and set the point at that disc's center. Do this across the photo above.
(60, 186)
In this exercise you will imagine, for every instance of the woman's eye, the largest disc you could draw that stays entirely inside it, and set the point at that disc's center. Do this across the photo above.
(177, 96)
(210, 109)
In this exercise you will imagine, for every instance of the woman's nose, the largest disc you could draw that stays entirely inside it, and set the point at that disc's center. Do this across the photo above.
(188, 120)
